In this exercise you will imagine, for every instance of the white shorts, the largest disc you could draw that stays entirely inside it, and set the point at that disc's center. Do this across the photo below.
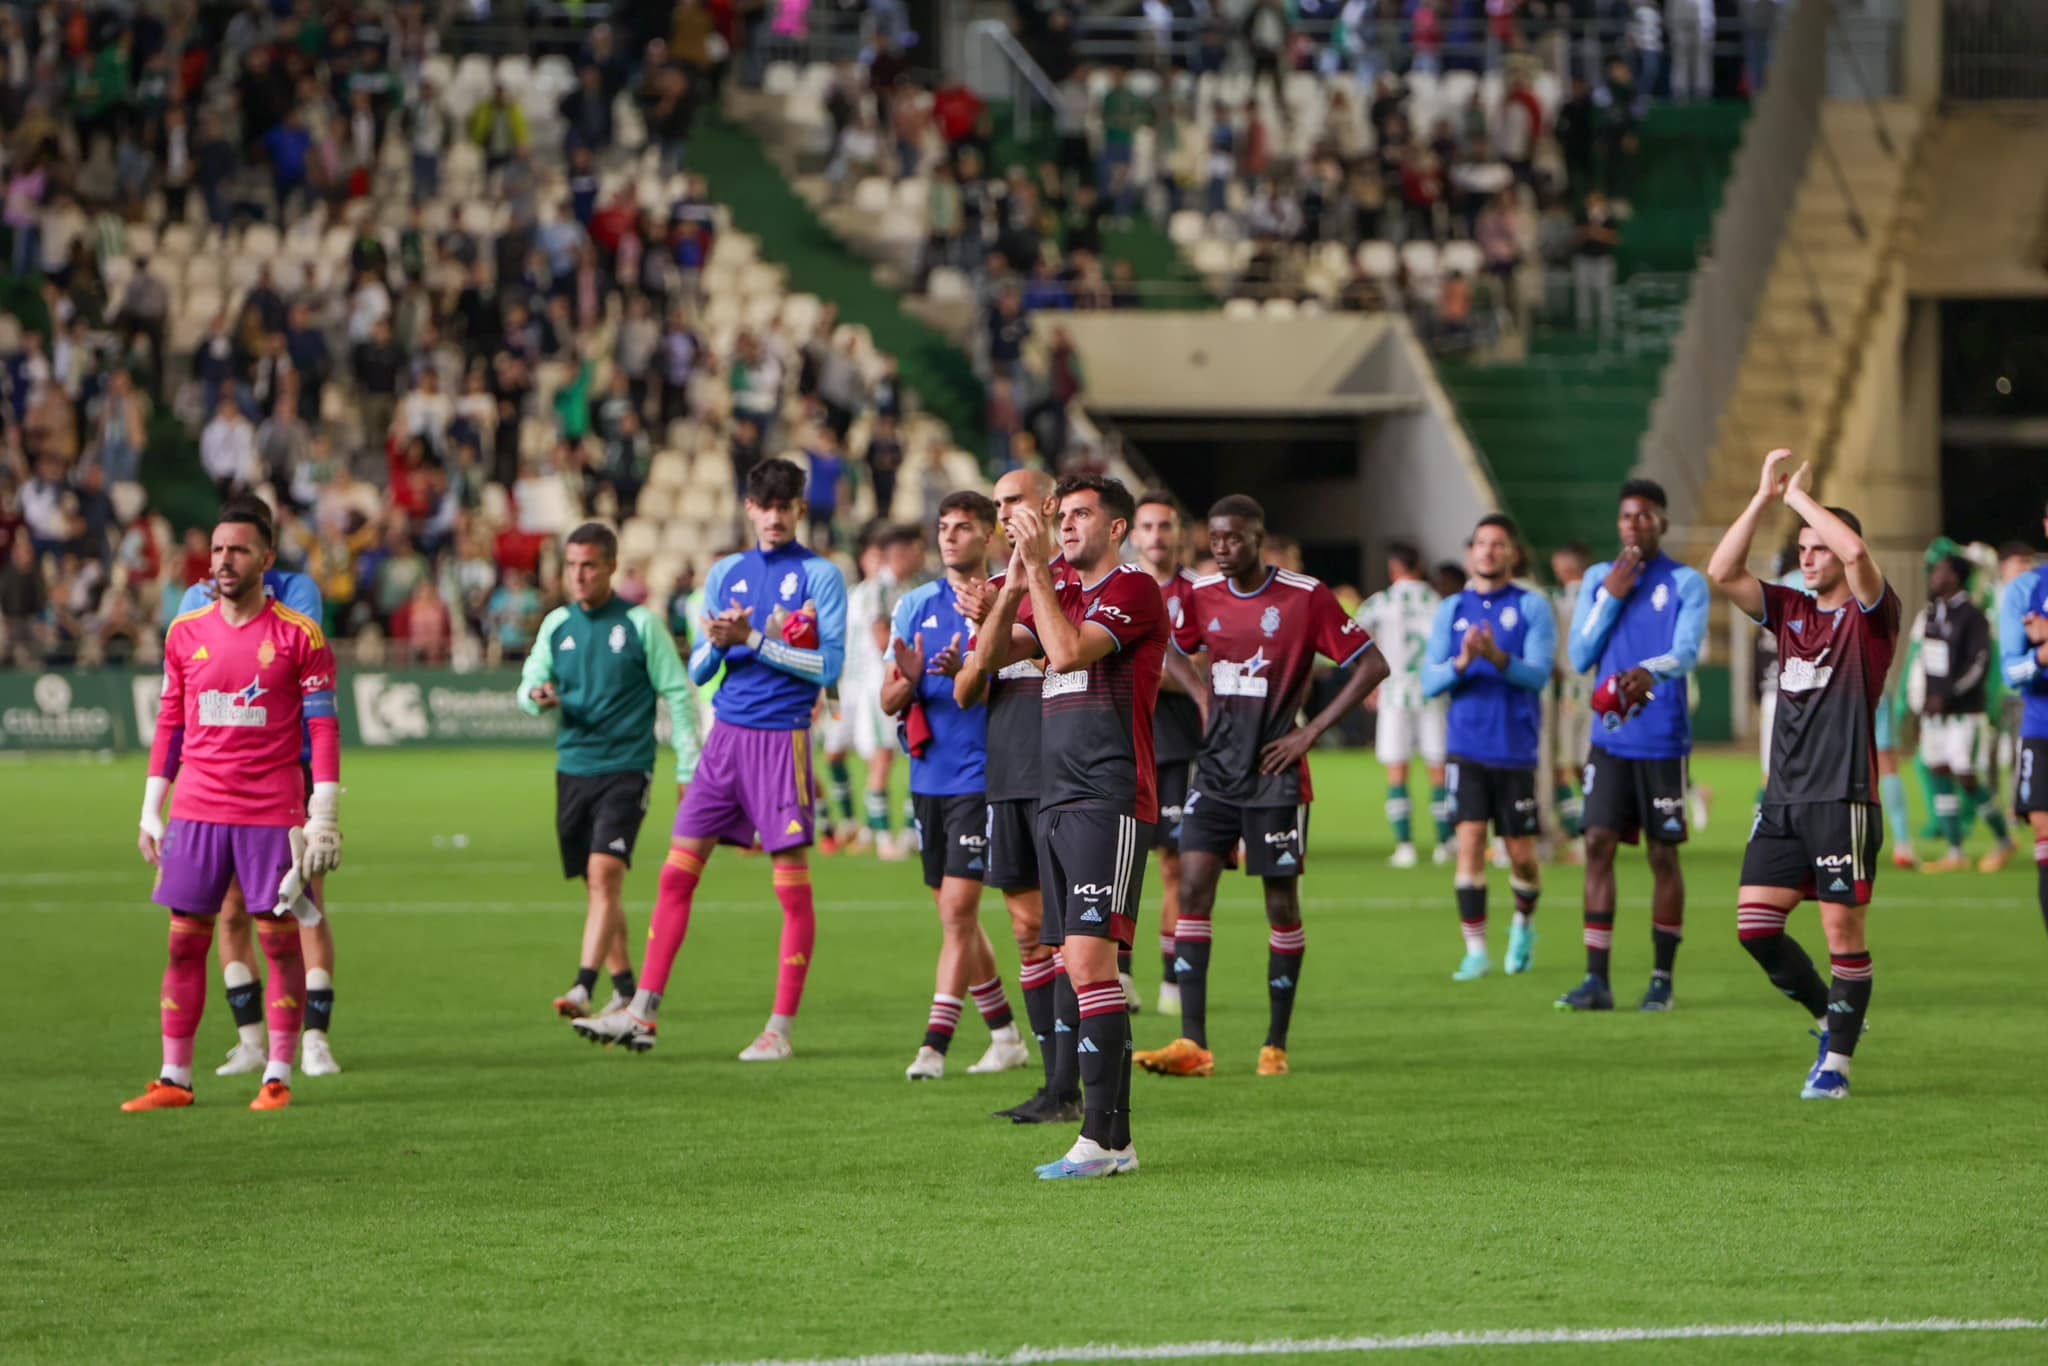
(1404, 732)
(860, 724)
(1956, 743)
(1572, 733)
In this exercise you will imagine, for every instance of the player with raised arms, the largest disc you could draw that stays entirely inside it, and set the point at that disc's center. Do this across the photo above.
(777, 626)
(1818, 831)
(1016, 709)
(599, 662)
(948, 746)
(246, 679)
(1101, 626)
(1260, 630)
(234, 932)
(1492, 650)
(1637, 628)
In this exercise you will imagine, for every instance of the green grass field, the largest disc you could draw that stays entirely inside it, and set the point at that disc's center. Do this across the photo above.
(479, 1185)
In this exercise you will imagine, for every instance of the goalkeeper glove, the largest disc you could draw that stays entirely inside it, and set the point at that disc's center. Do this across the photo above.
(292, 898)
(152, 822)
(1609, 706)
(322, 831)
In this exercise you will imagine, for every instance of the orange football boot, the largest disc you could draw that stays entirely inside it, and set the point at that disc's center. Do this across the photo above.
(570, 1009)
(161, 1095)
(275, 1095)
(1272, 1061)
(1181, 1058)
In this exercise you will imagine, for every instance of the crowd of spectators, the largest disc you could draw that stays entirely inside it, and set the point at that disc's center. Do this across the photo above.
(434, 332)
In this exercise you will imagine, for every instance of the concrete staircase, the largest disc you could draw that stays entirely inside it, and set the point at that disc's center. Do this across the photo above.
(1852, 224)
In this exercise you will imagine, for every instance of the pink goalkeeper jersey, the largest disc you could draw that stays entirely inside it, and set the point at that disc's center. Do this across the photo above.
(240, 693)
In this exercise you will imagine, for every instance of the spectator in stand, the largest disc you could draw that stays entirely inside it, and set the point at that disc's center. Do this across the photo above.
(24, 602)
(498, 128)
(227, 450)
(1593, 265)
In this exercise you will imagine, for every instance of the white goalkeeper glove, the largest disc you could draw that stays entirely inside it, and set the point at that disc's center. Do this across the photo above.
(292, 899)
(152, 823)
(322, 832)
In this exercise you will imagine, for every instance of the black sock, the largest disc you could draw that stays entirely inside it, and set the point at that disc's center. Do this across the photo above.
(1120, 1127)
(1848, 1001)
(1123, 961)
(1472, 905)
(1105, 1038)
(1168, 975)
(1525, 895)
(1038, 1010)
(1066, 1039)
(1284, 951)
(1599, 943)
(1790, 970)
(2041, 870)
(245, 1003)
(1665, 940)
(623, 983)
(319, 1009)
(1191, 969)
(587, 979)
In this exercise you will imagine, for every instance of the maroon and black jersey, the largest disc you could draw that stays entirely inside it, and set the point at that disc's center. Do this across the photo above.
(1831, 668)
(1014, 709)
(1097, 737)
(1262, 647)
(1177, 725)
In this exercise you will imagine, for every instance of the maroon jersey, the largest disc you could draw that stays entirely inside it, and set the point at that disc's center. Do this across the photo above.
(1177, 725)
(1262, 647)
(1014, 712)
(1097, 728)
(1831, 668)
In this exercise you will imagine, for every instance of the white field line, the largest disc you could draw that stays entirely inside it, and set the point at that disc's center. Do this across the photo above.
(1513, 1337)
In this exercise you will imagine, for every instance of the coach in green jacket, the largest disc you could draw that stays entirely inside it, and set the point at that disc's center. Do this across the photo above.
(600, 661)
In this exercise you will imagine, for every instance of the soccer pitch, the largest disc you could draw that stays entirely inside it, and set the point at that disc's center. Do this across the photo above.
(1445, 1159)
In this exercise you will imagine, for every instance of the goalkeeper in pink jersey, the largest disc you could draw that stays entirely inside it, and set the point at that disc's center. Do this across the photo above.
(240, 676)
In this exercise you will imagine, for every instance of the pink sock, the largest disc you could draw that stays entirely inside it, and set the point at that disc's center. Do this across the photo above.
(184, 990)
(679, 877)
(799, 936)
(284, 995)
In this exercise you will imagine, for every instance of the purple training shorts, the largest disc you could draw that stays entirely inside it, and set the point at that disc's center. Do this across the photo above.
(201, 858)
(748, 783)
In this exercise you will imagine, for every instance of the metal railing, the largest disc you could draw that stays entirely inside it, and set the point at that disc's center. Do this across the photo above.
(1707, 358)
(998, 68)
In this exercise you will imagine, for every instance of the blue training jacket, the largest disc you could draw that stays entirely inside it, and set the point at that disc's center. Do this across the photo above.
(1496, 715)
(2027, 594)
(1659, 626)
(772, 685)
(956, 764)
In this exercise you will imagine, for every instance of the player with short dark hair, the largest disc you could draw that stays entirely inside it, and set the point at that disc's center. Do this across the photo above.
(1176, 729)
(1101, 626)
(948, 746)
(235, 933)
(246, 680)
(776, 623)
(1013, 692)
(1955, 736)
(1638, 627)
(1492, 651)
(2023, 656)
(1399, 618)
(1818, 831)
(600, 662)
(1260, 629)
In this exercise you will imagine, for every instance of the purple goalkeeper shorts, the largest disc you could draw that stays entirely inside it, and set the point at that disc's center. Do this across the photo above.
(201, 858)
(749, 783)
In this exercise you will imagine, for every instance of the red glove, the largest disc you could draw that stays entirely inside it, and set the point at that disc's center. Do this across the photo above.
(1607, 703)
(801, 629)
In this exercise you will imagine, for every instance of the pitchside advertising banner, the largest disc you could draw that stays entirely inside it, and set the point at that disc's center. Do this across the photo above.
(110, 711)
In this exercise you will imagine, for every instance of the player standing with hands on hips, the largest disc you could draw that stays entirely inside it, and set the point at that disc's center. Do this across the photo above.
(599, 662)
(1818, 830)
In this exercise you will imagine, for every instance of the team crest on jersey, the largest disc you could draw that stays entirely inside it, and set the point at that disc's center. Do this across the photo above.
(1269, 620)
(617, 639)
(1660, 597)
(1508, 617)
(265, 654)
(788, 589)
